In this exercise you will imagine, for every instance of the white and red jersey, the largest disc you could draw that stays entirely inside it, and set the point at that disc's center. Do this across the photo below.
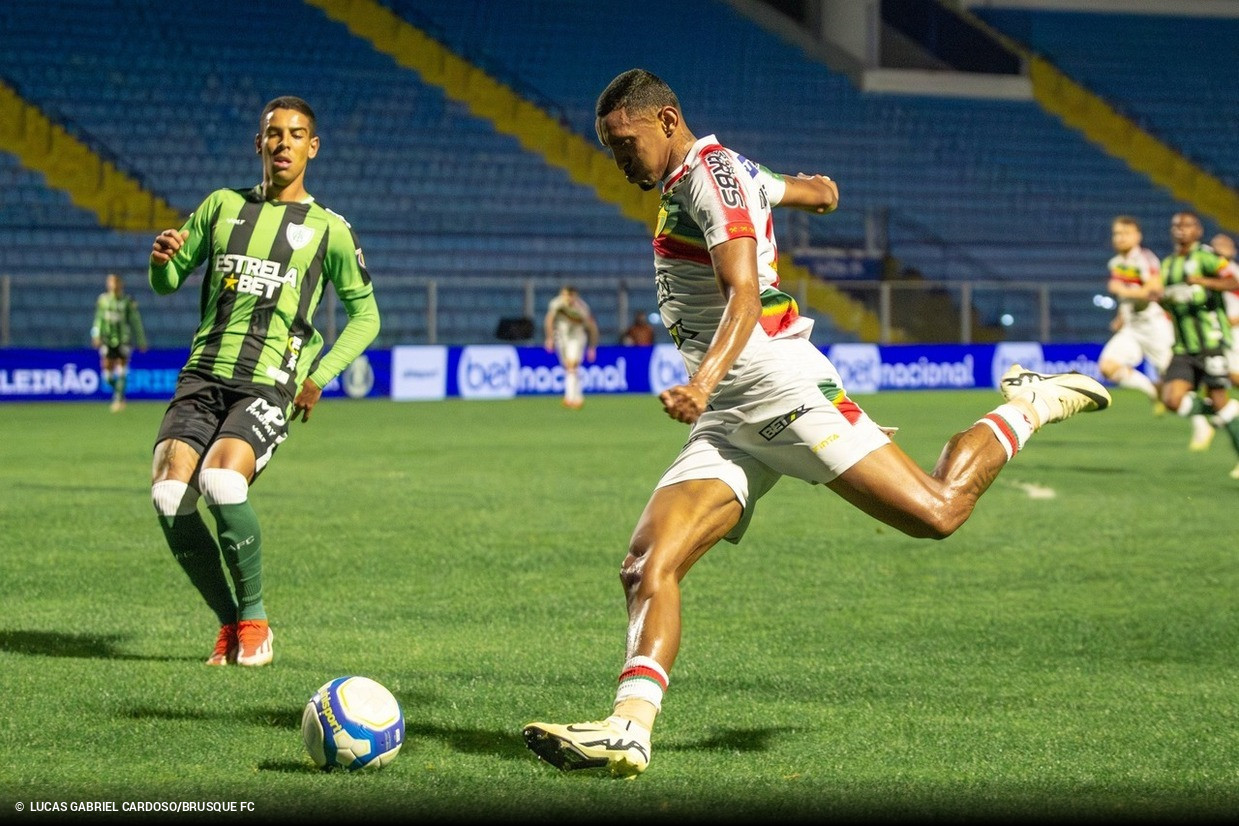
(569, 316)
(1137, 267)
(715, 196)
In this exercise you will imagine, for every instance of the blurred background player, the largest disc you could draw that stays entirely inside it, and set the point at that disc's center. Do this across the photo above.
(1142, 330)
(1194, 279)
(255, 359)
(572, 334)
(117, 329)
(1224, 246)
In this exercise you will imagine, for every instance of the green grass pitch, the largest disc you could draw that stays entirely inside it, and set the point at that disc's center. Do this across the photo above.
(1070, 652)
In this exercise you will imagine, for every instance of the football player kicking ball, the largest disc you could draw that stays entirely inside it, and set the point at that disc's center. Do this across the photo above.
(762, 400)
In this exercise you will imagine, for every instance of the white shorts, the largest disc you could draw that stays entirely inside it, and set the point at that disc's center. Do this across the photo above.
(571, 347)
(814, 444)
(1131, 345)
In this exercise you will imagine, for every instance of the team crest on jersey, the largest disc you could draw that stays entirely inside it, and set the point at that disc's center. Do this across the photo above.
(298, 235)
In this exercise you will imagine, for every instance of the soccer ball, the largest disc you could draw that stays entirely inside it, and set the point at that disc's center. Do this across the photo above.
(352, 723)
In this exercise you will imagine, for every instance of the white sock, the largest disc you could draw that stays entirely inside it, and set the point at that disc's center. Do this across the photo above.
(1011, 427)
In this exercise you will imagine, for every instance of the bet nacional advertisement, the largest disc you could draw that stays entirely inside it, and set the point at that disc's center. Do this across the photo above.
(503, 371)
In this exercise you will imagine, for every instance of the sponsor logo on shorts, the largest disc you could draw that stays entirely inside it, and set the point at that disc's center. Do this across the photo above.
(780, 424)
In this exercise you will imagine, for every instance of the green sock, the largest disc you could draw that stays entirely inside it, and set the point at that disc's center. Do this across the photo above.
(193, 546)
(240, 538)
(118, 388)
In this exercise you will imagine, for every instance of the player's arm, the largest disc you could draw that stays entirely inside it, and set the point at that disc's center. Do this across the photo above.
(1225, 276)
(548, 326)
(175, 253)
(735, 269)
(96, 327)
(345, 269)
(135, 323)
(1122, 288)
(812, 193)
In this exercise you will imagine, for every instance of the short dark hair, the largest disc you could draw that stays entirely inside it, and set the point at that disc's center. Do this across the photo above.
(1126, 219)
(635, 90)
(294, 103)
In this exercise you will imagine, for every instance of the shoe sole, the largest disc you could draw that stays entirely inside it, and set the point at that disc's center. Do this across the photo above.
(1082, 384)
(565, 756)
(1091, 389)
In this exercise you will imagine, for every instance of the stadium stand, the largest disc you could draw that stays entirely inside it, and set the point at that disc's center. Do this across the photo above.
(447, 207)
(1175, 78)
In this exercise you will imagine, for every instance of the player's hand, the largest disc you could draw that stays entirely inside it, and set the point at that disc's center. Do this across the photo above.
(306, 398)
(96, 343)
(684, 402)
(167, 244)
(591, 354)
(830, 185)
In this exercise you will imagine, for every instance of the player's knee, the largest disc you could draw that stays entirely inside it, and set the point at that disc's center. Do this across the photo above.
(173, 498)
(221, 486)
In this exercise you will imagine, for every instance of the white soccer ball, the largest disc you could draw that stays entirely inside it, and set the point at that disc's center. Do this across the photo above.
(352, 723)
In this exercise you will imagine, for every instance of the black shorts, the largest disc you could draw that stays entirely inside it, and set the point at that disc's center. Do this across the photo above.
(118, 352)
(205, 408)
(1210, 368)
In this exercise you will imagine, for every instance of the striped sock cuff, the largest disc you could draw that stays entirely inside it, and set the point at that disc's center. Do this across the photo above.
(1010, 427)
(642, 678)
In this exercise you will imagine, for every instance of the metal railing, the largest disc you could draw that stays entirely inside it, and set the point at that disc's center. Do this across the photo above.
(46, 311)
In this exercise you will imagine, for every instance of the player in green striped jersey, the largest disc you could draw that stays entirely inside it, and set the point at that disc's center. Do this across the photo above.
(117, 329)
(255, 361)
(1194, 279)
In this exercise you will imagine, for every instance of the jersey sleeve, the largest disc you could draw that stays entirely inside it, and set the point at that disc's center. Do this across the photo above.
(718, 200)
(135, 323)
(96, 326)
(345, 268)
(171, 276)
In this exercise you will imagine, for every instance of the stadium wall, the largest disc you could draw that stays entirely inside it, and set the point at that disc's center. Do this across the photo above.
(501, 371)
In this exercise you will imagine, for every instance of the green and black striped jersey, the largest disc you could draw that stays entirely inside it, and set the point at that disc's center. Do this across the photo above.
(267, 264)
(117, 321)
(1199, 314)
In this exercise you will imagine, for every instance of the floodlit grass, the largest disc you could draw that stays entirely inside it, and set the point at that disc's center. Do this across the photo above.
(1069, 652)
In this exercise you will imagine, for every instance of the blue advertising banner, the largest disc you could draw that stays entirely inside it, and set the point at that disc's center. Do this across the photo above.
(75, 375)
(503, 371)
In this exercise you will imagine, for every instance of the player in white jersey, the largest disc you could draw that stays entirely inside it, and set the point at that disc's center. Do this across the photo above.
(572, 333)
(1142, 330)
(1224, 246)
(762, 400)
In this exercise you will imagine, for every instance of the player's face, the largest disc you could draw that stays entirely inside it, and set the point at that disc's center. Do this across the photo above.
(639, 143)
(286, 144)
(1224, 245)
(1185, 229)
(114, 285)
(1125, 237)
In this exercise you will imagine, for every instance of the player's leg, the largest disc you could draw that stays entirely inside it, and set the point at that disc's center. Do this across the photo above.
(1119, 360)
(707, 494)
(889, 486)
(1227, 416)
(571, 354)
(248, 437)
(1179, 394)
(679, 524)
(115, 374)
(193, 546)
